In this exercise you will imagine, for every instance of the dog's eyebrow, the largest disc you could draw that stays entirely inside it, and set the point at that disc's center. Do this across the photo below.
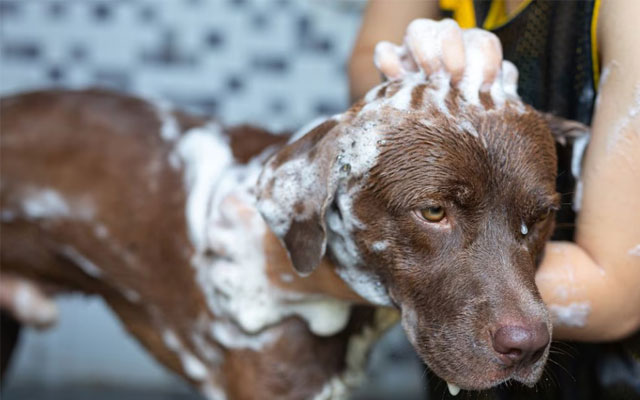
(543, 200)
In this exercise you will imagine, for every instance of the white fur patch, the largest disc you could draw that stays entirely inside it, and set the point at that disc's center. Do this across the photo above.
(574, 314)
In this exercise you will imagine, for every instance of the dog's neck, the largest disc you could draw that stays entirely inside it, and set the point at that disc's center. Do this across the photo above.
(253, 289)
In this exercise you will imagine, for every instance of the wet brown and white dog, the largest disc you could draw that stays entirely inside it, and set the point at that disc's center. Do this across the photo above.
(422, 197)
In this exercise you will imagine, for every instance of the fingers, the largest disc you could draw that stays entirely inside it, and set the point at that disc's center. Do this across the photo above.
(27, 302)
(387, 59)
(470, 60)
(484, 60)
(437, 47)
(453, 54)
(509, 78)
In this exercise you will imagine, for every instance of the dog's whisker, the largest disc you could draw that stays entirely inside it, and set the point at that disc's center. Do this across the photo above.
(570, 350)
(563, 368)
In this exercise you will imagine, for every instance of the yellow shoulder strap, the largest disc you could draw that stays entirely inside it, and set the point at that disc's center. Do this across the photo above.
(463, 12)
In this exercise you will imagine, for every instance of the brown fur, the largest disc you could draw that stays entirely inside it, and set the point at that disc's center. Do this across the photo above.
(106, 148)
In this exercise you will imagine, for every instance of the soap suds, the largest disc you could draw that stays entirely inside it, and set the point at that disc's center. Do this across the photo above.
(358, 349)
(617, 136)
(574, 314)
(634, 251)
(101, 231)
(81, 261)
(205, 154)
(45, 203)
(169, 128)
(604, 77)
(131, 295)
(579, 147)
(191, 366)
(229, 335)
(353, 153)
(380, 246)
(31, 306)
(223, 219)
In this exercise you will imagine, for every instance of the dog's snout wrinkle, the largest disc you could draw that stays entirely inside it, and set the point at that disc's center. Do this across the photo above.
(520, 345)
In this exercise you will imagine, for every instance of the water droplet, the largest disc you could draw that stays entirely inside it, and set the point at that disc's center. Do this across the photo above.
(523, 229)
(346, 168)
(382, 142)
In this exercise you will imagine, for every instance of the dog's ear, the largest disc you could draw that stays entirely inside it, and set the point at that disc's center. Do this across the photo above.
(566, 131)
(294, 190)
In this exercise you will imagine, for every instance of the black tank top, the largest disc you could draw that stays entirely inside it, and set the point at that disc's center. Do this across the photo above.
(551, 42)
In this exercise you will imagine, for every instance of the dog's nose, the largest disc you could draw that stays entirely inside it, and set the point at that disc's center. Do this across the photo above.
(520, 345)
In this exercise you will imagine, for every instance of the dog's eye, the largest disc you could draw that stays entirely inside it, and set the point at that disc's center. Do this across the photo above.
(432, 214)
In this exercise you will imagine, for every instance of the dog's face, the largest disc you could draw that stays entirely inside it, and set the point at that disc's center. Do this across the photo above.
(439, 207)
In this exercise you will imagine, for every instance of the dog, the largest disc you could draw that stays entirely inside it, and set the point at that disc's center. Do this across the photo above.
(421, 198)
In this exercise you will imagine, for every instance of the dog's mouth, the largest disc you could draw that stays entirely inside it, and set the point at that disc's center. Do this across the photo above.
(471, 361)
(491, 376)
(527, 376)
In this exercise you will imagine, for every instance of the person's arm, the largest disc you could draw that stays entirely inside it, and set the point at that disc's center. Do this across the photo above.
(382, 20)
(597, 279)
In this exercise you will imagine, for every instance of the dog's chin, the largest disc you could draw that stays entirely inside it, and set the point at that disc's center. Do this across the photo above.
(488, 378)
(482, 374)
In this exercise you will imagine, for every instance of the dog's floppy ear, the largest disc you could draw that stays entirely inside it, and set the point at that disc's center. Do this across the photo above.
(294, 190)
(566, 131)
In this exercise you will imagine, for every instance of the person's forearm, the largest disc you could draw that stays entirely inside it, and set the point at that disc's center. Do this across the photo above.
(598, 278)
(586, 303)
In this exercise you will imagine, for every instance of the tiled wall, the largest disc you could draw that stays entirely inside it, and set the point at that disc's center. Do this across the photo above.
(277, 63)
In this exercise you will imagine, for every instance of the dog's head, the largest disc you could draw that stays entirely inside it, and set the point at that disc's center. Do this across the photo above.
(436, 205)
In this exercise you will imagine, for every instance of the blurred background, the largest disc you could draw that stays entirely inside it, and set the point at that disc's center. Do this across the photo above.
(273, 63)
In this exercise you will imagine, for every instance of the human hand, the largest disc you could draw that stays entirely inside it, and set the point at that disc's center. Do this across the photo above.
(470, 59)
